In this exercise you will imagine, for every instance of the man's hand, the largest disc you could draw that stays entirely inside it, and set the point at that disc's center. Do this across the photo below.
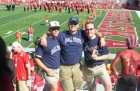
(43, 40)
(94, 56)
(102, 39)
(102, 42)
(50, 73)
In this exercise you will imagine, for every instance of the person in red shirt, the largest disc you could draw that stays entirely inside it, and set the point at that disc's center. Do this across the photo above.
(32, 65)
(30, 33)
(46, 18)
(22, 65)
(127, 80)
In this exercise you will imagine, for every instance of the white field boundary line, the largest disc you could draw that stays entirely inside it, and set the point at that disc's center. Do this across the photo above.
(134, 27)
(10, 14)
(19, 19)
(103, 19)
(25, 27)
(138, 13)
(60, 25)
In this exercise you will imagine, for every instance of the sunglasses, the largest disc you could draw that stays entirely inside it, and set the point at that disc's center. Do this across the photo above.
(56, 28)
(73, 23)
(89, 29)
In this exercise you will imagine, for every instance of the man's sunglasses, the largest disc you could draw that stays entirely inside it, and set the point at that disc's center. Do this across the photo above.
(89, 29)
(56, 28)
(73, 23)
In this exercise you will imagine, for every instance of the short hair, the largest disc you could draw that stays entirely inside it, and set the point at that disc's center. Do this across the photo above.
(90, 23)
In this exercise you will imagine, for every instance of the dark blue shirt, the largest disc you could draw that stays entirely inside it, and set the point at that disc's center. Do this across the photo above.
(50, 55)
(93, 45)
(71, 47)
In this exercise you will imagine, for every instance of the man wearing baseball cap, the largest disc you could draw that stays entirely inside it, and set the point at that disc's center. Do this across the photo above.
(48, 58)
(73, 20)
(71, 43)
(22, 65)
(54, 25)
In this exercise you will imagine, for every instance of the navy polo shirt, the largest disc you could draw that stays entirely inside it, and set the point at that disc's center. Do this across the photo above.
(50, 55)
(93, 44)
(71, 47)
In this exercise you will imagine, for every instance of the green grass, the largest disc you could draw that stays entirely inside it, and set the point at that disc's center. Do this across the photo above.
(20, 20)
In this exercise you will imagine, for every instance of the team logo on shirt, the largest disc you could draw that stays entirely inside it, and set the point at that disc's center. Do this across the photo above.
(55, 49)
(92, 49)
(73, 39)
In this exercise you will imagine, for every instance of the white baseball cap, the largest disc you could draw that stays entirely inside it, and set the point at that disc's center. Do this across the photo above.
(16, 44)
(54, 24)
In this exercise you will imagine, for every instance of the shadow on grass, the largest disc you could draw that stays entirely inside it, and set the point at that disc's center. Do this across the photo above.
(10, 43)
(42, 24)
(26, 39)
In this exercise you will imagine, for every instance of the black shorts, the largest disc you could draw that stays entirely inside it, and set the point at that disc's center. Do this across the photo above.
(127, 83)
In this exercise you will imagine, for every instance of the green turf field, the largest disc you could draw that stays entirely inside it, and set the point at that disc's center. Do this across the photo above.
(11, 21)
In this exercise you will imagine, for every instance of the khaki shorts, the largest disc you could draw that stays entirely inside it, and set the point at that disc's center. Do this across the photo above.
(21, 86)
(93, 72)
(71, 77)
(50, 79)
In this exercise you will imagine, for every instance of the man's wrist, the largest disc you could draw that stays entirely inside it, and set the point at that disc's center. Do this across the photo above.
(102, 37)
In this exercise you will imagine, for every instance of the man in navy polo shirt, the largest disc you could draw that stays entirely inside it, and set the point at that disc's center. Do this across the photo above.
(71, 43)
(94, 60)
(48, 58)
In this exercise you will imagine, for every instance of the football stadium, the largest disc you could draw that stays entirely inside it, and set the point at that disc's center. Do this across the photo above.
(114, 19)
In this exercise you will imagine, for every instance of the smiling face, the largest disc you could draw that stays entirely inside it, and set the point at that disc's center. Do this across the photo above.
(73, 27)
(54, 32)
(90, 30)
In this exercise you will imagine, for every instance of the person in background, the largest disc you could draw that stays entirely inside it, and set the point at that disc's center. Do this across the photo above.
(30, 31)
(22, 65)
(113, 78)
(127, 79)
(7, 69)
(18, 36)
(83, 25)
(108, 66)
(48, 58)
(32, 66)
(37, 42)
(46, 20)
(95, 56)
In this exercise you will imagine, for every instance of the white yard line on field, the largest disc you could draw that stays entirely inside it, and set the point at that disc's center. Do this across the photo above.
(10, 15)
(18, 19)
(30, 45)
(138, 13)
(26, 27)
